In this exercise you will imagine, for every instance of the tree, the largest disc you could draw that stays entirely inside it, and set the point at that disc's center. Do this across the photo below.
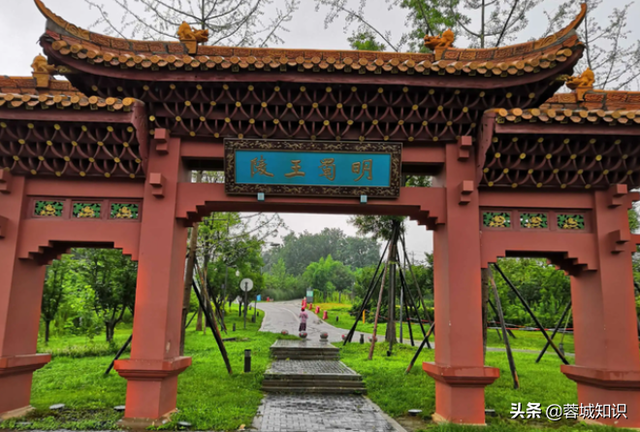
(112, 276)
(298, 251)
(614, 58)
(53, 292)
(229, 22)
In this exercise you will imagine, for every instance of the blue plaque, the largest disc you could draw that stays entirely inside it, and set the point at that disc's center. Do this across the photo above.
(312, 168)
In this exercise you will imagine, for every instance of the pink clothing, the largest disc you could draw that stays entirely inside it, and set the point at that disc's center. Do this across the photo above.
(303, 317)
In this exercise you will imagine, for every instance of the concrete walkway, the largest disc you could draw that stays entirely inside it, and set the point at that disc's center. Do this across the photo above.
(284, 316)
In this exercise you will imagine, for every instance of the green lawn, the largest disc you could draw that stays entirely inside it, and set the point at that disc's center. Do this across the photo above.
(523, 339)
(208, 397)
(396, 392)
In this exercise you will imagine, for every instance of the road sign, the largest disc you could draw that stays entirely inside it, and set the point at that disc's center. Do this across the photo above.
(246, 284)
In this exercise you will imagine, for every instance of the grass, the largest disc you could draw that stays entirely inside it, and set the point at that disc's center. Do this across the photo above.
(396, 392)
(528, 340)
(208, 397)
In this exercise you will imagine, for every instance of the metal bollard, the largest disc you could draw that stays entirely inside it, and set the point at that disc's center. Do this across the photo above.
(336, 318)
(234, 326)
(361, 338)
(247, 360)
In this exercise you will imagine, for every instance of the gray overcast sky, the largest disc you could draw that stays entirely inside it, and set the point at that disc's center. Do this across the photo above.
(21, 25)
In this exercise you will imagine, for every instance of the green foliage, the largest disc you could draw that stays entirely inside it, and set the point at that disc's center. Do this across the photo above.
(328, 275)
(365, 41)
(208, 397)
(298, 251)
(379, 227)
(112, 277)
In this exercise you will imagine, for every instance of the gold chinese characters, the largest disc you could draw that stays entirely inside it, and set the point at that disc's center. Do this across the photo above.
(327, 169)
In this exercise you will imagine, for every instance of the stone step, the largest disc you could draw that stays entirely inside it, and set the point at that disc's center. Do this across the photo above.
(316, 377)
(312, 384)
(304, 356)
(320, 390)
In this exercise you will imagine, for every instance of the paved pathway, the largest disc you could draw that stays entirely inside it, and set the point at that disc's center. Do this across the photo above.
(284, 316)
(320, 413)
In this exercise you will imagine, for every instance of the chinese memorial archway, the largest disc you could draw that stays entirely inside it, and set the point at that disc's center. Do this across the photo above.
(104, 160)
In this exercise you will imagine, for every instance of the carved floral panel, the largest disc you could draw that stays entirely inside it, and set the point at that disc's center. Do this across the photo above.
(534, 220)
(496, 219)
(87, 210)
(571, 222)
(48, 208)
(124, 211)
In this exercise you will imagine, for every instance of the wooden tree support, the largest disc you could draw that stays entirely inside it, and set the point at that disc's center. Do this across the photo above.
(214, 328)
(420, 348)
(533, 316)
(505, 336)
(367, 297)
(555, 330)
(120, 351)
(509, 332)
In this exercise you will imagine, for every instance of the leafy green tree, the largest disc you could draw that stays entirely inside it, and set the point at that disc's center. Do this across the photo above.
(112, 276)
(53, 292)
(327, 275)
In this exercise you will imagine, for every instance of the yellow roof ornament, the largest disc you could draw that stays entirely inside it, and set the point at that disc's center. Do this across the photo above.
(582, 84)
(42, 71)
(443, 41)
(191, 38)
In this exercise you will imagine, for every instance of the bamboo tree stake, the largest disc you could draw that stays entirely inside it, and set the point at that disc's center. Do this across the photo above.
(420, 348)
(214, 329)
(505, 336)
(375, 324)
(367, 297)
(564, 313)
(533, 316)
(415, 281)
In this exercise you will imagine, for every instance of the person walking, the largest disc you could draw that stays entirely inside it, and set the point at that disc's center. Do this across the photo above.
(303, 320)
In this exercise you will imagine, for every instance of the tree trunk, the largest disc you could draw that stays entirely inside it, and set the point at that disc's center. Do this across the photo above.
(485, 315)
(205, 299)
(46, 331)
(390, 336)
(188, 278)
(199, 321)
(110, 330)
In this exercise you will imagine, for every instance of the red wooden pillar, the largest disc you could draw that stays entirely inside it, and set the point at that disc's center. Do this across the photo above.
(607, 368)
(152, 371)
(459, 368)
(21, 284)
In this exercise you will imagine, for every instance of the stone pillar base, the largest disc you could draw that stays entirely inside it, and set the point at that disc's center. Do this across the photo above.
(151, 389)
(16, 374)
(601, 387)
(460, 392)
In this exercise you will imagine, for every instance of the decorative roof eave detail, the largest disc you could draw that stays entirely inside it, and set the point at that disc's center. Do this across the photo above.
(59, 101)
(568, 116)
(67, 39)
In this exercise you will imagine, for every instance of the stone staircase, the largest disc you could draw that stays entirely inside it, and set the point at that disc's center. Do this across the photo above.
(307, 367)
(304, 350)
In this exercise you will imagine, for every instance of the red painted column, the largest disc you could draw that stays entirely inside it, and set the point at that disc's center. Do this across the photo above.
(21, 283)
(459, 368)
(152, 371)
(607, 362)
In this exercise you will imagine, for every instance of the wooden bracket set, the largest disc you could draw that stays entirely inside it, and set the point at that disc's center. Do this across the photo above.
(465, 144)
(466, 188)
(619, 240)
(5, 181)
(4, 222)
(617, 195)
(157, 180)
(161, 140)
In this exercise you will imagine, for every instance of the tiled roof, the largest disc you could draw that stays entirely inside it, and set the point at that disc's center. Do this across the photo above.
(597, 107)
(21, 92)
(70, 40)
